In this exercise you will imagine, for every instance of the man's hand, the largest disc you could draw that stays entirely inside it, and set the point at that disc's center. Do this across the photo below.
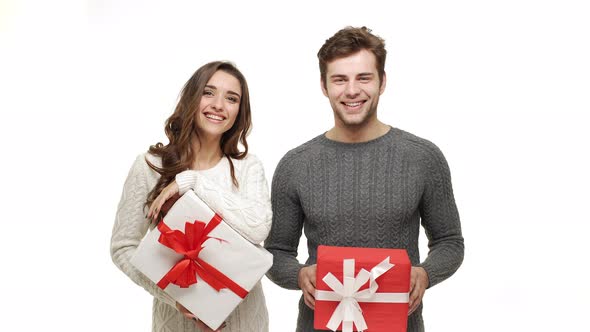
(418, 284)
(306, 281)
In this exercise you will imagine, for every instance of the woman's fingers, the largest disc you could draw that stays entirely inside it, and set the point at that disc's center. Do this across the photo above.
(170, 190)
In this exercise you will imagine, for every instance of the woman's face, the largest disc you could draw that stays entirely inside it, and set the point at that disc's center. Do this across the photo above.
(219, 105)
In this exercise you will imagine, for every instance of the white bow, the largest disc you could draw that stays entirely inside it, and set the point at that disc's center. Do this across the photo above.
(348, 310)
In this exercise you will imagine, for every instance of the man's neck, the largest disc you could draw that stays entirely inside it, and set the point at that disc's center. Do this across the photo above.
(357, 134)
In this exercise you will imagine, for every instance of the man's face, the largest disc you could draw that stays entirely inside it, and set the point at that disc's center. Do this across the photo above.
(352, 86)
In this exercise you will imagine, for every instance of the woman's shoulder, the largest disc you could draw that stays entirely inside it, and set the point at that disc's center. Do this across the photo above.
(152, 159)
(248, 165)
(249, 160)
(141, 166)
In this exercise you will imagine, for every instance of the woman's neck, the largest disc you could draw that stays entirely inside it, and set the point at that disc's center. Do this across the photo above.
(207, 153)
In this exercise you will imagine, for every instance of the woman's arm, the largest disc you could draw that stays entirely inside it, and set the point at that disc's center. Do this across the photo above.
(246, 209)
(130, 227)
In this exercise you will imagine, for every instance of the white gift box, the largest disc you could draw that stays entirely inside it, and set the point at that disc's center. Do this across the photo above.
(227, 251)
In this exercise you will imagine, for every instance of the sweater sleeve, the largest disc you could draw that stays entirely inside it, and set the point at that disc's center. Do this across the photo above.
(246, 209)
(440, 220)
(130, 227)
(286, 228)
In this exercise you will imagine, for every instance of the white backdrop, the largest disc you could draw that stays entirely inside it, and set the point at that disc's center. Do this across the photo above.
(502, 87)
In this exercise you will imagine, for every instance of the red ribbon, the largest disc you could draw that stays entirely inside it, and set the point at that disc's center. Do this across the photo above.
(189, 244)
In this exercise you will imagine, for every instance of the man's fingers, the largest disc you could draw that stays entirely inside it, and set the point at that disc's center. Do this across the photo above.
(414, 296)
(414, 306)
(310, 296)
(309, 301)
(415, 299)
(306, 300)
(306, 281)
(309, 287)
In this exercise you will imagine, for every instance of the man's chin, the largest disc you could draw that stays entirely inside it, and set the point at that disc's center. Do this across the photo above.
(353, 120)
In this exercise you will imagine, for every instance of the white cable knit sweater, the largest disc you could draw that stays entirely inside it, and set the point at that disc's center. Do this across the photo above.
(247, 210)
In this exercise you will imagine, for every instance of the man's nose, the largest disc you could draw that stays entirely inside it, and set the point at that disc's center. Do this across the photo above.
(352, 89)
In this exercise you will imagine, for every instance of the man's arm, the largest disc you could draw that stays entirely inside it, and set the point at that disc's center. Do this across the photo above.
(287, 224)
(440, 220)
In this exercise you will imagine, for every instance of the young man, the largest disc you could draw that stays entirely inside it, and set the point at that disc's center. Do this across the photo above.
(363, 183)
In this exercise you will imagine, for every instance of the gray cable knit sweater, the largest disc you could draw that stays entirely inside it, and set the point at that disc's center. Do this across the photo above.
(371, 194)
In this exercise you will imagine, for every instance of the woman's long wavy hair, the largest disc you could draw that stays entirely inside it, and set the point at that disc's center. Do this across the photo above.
(178, 154)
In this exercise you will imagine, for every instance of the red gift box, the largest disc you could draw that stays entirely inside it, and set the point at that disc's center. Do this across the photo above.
(362, 289)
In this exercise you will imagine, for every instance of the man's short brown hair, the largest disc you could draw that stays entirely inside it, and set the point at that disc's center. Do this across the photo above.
(351, 40)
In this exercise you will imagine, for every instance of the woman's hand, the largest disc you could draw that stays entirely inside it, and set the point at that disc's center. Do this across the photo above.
(168, 192)
(197, 322)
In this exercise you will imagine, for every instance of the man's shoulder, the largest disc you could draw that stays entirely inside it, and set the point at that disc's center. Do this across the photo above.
(301, 153)
(420, 151)
(415, 145)
(304, 150)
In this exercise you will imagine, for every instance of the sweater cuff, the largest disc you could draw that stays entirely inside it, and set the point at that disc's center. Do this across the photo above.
(296, 281)
(287, 276)
(429, 273)
(185, 181)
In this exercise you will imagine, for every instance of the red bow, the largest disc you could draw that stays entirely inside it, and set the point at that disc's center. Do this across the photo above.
(189, 244)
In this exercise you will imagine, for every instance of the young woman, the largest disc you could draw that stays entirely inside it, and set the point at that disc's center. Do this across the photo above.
(210, 120)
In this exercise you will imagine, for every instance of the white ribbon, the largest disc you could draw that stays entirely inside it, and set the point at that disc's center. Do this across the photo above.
(348, 310)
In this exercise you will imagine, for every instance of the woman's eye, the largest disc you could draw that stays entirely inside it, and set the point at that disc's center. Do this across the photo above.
(208, 93)
(232, 99)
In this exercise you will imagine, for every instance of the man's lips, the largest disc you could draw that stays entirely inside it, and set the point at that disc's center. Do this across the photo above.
(353, 105)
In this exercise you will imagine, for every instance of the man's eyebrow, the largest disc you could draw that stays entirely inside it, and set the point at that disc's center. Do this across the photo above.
(338, 76)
